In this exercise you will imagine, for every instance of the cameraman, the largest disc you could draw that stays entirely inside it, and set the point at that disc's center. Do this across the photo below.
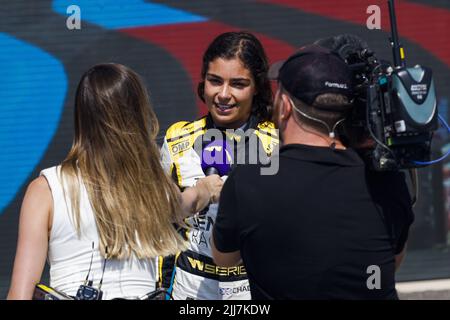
(332, 229)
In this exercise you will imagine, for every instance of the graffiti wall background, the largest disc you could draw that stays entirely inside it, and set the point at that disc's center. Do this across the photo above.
(41, 61)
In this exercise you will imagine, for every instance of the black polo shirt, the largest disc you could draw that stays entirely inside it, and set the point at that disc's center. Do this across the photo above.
(313, 230)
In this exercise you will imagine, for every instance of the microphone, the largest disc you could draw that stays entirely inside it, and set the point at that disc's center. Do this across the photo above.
(217, 158)
(210, 171)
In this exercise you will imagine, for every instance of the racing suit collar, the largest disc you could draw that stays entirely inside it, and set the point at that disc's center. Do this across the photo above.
(252, 123)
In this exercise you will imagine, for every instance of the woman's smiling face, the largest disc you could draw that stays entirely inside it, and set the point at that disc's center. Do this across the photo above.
(229, 92)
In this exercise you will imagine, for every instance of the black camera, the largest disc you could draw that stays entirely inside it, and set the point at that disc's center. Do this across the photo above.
(395, 108)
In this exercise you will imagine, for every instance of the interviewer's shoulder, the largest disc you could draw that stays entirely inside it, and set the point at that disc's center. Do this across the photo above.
(38, 185)
(38, 197)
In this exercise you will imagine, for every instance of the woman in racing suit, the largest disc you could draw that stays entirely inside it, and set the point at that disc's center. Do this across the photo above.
(235, 88)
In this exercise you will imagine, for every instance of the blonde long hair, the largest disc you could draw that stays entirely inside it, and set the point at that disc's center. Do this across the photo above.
(114, 154)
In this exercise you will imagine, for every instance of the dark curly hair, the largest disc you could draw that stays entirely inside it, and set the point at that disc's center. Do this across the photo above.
(249, 50)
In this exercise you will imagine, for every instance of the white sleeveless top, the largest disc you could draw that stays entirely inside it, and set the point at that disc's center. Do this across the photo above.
(69, 255)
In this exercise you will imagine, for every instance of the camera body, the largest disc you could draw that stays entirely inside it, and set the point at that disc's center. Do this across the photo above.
(395, 110)
(394, 107)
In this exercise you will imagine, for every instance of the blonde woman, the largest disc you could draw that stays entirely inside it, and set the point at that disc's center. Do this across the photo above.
(105, 213)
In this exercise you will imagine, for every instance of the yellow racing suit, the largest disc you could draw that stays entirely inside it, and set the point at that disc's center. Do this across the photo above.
(192, 273)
